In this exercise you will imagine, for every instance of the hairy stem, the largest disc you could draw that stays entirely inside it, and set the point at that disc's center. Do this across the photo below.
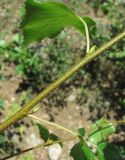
(52, 124)
(87, 34)
(24, 111)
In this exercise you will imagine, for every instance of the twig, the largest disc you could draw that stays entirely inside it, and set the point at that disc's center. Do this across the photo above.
(38, 146)
(52, 124)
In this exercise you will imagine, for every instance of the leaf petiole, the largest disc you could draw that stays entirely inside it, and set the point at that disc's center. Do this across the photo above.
(87, 34)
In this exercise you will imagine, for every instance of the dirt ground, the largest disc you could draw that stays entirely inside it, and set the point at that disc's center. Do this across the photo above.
(71, 116)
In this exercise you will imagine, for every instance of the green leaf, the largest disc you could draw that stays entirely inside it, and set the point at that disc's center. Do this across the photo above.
(101, 130)
(44, 133)
(76, 152)
(117, 55)
(22, 10)
(81, 151)
(48, 19)
(108, 152)
(54, 137)
(81, 132)
(88, 152)
(91, 24)
(100, 150)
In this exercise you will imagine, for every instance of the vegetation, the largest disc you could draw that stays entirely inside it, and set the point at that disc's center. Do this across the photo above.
(50, 19)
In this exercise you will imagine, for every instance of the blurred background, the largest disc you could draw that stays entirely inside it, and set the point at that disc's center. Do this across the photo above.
(95, 91)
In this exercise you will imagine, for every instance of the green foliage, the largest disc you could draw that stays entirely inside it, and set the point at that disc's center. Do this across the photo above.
(3, 44)
(44, 133)
(82, 151)
(53, 137)
(101, 130)
(81, 132)
(108, 152)
(76, 152)
(122, 102)
(26, 61)
(34, 64)
(117, 55)
(48, 20)
(122, 151)
(97, 139)
(87, 151)
(1, 103)
(75, 5)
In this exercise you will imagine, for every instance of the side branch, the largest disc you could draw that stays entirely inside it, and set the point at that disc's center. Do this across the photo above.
(38, 146)
(52, 124)
(89, 57)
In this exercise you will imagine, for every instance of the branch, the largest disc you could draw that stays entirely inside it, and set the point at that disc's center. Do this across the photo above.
(23, 112)
(52, 124)
(38, 146)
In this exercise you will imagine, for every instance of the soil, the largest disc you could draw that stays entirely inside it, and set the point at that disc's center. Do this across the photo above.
(71, 115)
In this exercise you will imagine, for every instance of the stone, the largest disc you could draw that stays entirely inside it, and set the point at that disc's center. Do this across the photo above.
(54, 151)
